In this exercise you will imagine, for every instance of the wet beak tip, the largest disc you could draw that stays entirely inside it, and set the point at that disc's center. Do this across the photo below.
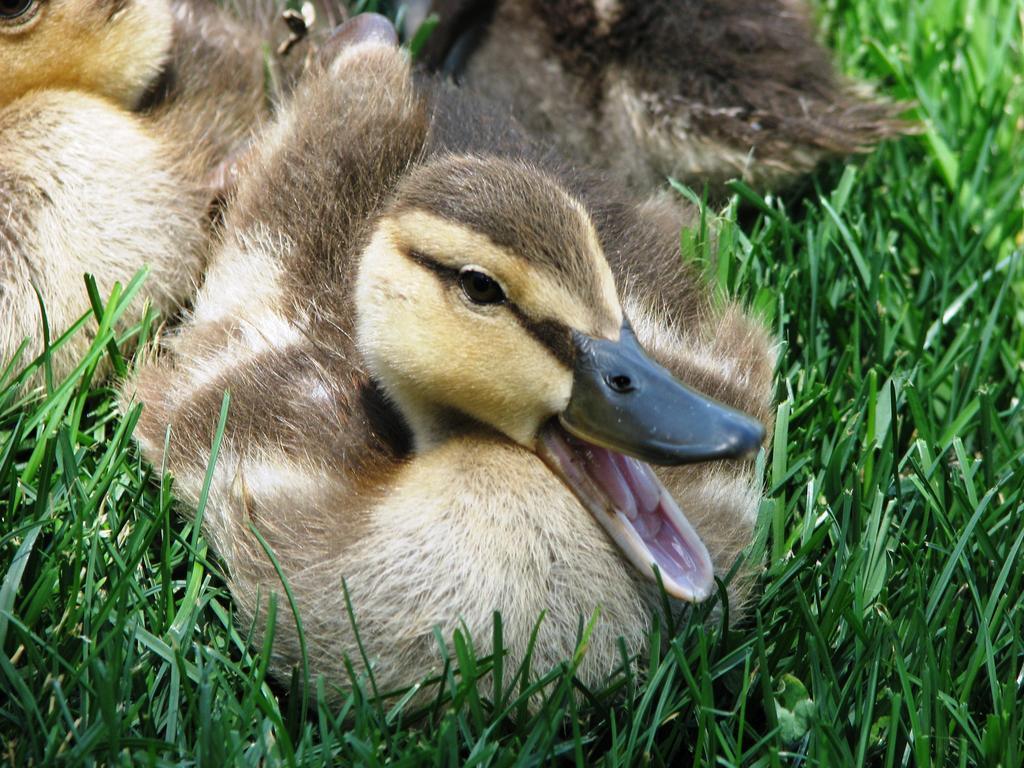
(696, 591)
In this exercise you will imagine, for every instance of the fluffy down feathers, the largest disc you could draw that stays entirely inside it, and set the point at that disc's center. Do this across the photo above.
(703, 90)
(324, 466)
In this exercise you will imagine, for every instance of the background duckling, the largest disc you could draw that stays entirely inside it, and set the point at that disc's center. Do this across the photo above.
(404, 319)
(119, 124)
(213, 89)
(704, 91)
(85, 186)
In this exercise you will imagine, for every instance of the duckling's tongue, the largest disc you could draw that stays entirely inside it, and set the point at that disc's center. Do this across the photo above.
(635, 508)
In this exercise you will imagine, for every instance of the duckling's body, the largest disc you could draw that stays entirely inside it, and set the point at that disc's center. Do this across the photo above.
(383, 428)
(705, 90)
(222, 78)
(212, 92)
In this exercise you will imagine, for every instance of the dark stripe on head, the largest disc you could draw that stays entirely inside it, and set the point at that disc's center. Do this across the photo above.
(552, 335)
(517, 207)
(432, 264)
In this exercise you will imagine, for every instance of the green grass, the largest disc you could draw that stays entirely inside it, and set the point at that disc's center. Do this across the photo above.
(889, 628)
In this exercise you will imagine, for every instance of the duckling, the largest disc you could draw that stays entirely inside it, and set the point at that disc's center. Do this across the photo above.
(440, 399)
(118, 128)
(705, 90)
(213, 89)
(86, 186)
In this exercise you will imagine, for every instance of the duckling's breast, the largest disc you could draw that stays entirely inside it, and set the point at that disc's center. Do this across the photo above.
(472, 527)
(84, 188)
(477, 526)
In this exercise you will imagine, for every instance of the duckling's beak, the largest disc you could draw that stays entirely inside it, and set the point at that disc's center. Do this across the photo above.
(623, 400)
(626, 410)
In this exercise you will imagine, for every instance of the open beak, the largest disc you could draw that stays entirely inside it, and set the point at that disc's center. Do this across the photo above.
(626, 411)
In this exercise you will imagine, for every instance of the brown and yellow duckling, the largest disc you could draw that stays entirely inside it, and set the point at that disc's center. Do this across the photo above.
(85, 186)
(440, 394)
(109, 49)
(117, 122)
(705, 90)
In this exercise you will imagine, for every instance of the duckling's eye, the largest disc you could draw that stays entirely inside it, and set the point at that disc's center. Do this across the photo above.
(13, 9)
(480, 288)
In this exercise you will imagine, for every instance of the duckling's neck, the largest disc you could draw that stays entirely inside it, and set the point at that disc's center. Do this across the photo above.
(430, 425)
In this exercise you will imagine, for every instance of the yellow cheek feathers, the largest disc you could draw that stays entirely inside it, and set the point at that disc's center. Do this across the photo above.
(76, 45)
(534, 289)
(432, 352)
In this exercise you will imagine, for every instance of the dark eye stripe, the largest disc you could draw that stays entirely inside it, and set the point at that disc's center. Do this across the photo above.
(553, 335)
(439, 269)
(556, 337)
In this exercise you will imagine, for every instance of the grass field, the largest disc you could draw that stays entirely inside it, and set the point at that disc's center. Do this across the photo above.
(889, 629)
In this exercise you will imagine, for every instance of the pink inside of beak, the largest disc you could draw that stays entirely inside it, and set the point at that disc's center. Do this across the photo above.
(638, 512)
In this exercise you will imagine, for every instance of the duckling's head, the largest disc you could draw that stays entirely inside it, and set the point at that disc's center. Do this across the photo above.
(109, 48)
(484, 297)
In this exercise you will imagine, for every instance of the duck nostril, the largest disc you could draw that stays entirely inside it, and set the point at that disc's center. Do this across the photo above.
(620, 383)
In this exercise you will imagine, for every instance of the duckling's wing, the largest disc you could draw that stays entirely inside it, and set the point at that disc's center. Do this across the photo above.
(273, 324)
